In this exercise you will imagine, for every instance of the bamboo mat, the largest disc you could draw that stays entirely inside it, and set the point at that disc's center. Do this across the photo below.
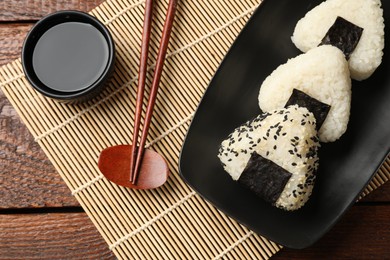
(171, 222)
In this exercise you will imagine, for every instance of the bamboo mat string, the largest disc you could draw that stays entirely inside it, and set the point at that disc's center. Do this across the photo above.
(172, 221)
(14, 78)
(147, 224)
(228, 249)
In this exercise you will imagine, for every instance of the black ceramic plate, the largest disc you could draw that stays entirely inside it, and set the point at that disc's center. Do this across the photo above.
(346, 166)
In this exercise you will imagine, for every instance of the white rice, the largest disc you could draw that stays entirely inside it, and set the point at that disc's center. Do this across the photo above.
(321, 73)
(367, 56)
(294, 147)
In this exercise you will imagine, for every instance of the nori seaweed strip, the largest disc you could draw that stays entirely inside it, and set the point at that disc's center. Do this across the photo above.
(343, 35)
(264, 177)
(319, 109)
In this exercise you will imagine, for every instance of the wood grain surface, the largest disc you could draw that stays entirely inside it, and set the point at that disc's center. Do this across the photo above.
(51, 236)
(31, 10)
(40, 219)
(363, 233)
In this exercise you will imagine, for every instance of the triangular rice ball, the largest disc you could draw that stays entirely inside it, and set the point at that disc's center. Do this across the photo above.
(366, 14)
(321, 73)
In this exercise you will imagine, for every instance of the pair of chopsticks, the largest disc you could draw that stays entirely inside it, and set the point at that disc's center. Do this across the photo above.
(137, 153)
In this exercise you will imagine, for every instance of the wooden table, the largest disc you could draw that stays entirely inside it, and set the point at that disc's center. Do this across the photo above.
(40, 219)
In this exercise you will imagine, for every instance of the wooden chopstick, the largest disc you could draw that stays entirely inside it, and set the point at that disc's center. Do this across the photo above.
(153, 92)
(141, 81)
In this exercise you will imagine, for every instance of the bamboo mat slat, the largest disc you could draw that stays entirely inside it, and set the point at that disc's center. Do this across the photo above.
(172, 221)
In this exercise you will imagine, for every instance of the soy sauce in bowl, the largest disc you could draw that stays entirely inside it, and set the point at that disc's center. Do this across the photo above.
(69, 56)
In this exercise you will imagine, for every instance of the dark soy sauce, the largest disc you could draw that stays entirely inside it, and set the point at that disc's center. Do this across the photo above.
(70, 56)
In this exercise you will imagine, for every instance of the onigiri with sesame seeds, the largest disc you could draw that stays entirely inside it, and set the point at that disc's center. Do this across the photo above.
(275, 155)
